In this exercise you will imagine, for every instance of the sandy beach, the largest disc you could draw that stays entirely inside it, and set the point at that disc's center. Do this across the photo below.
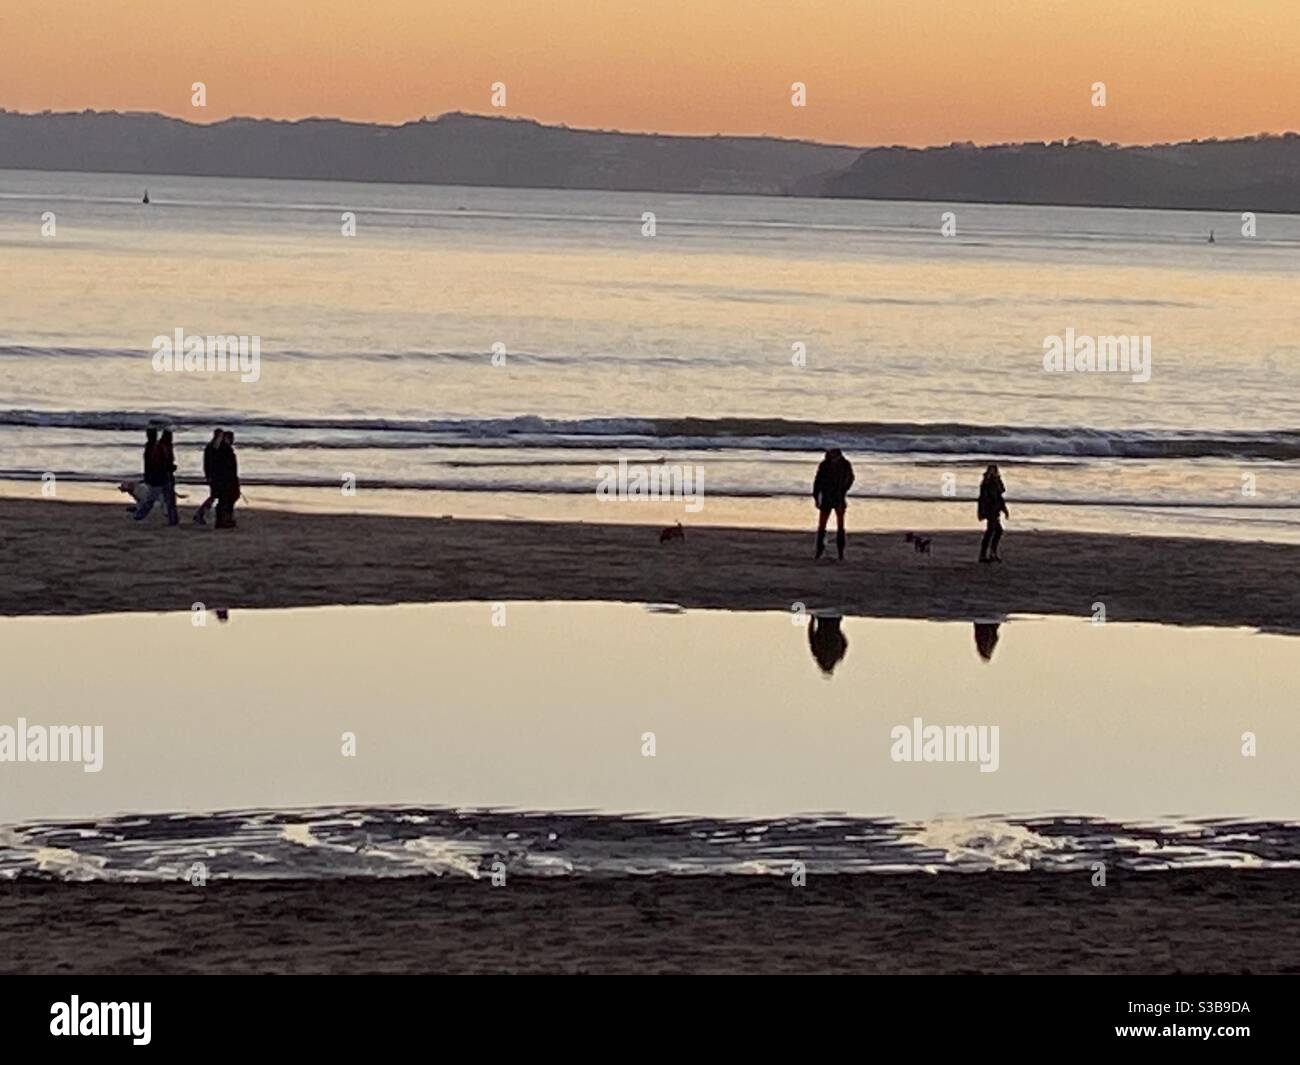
(1206, 921)
(511, 643)
(82, 558)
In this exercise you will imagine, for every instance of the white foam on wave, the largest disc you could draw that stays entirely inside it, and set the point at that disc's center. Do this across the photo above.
(988, 843)
(441, 856)
(379, 842)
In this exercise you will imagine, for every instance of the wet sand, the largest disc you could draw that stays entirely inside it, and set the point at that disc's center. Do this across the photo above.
(1206, 921)
(85, 558)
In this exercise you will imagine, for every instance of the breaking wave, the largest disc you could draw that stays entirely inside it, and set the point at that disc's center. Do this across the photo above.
(731, 433)
(438, 841)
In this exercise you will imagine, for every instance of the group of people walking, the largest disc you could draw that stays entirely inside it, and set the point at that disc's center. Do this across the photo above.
(830, 491)
(220, 472)
(835, 477)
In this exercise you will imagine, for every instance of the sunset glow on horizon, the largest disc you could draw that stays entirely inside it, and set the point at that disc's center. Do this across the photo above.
(880, 72)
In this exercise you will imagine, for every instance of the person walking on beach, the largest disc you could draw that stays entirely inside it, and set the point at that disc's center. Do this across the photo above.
(991, 507)
(218, 438)
(830, 492)
(159, 471)
(168, 445)
(225, 480)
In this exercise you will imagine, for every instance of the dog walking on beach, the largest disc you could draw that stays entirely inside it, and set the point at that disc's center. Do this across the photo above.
(920, 544)
(673, 532)
(138, 491)
(830, 493)
(991, 507)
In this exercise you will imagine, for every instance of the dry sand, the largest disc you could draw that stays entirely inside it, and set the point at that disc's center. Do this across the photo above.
(83, 558)
(1207, 921)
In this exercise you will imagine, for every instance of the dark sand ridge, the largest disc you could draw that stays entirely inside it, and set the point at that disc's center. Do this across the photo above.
(87, 558)
(1190, 921)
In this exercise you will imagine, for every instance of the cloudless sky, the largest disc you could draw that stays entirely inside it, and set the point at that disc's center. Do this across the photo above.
(876, 71)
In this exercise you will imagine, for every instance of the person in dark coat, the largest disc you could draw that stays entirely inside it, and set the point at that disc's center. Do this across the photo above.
(168, 446)
(159, 476)
(990, 509)
(830, 493)
(218, 439)
(225, 480)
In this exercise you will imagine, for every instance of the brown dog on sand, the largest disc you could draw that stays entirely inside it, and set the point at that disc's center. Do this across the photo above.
(673, 532)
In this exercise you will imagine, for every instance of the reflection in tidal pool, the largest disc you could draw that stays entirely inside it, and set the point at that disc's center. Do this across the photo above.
(827, 642)
(349, 716)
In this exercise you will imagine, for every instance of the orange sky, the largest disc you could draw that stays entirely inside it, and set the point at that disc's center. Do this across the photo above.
(877, 71)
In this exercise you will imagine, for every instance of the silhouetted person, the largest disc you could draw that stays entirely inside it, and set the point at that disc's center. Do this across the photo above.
(159, 472)
(831, 492)
(225, 481)
(218, 437)
(827, 642)
(168, 445)
(991, 508)
(986, 638)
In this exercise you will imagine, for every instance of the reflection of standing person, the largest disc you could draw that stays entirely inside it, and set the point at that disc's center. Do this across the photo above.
(226, 481)
(218, 438)
(827, 643)
(991, 507)
(830, 492)
(986, 638)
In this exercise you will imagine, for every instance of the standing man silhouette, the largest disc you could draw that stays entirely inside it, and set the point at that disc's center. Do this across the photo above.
(830, 492)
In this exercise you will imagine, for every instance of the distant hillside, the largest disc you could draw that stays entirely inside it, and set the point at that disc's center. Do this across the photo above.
(1252, 174)
(456, 149)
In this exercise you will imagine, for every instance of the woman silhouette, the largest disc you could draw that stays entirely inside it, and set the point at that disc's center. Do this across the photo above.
(990, 509)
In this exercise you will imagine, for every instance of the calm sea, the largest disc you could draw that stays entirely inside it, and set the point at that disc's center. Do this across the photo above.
(744, 336)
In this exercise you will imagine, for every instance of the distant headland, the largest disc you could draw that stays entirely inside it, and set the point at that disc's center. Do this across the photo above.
(1252, 173)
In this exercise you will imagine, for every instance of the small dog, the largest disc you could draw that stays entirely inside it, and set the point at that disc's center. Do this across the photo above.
(138, 490)
(920, 544)
(673, 532)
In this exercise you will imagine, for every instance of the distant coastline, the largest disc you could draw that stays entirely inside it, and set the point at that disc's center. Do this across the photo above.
(1242, 174)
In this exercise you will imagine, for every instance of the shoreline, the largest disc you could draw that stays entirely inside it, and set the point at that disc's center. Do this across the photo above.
(75, 558)
(1194, 921)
